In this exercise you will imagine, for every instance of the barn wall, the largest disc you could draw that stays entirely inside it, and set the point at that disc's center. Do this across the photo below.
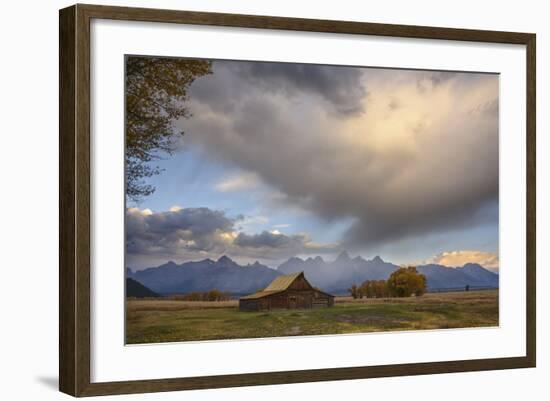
(295, 299)
(279, 301)
(249, 304)
(322, 300)
(299, 295)
(300, 284)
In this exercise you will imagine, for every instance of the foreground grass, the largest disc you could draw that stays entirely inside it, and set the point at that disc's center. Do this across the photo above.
(151, 321)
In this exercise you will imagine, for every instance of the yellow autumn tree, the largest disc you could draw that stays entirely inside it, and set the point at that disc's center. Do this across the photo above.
(405, 282)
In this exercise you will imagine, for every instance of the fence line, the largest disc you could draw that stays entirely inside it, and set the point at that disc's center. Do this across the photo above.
(462, 289)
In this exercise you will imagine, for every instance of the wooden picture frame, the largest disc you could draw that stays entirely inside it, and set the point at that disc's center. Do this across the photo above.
(74, 200)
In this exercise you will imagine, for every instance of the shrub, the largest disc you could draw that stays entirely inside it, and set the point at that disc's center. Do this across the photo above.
(374, 289)
(209, 296)
(354, 291)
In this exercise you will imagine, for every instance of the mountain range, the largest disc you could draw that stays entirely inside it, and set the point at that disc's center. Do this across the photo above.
(223, 274)
(334, 276)
(135, 289)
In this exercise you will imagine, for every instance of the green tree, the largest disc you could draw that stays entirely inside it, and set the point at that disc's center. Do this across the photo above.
(213, 295)
(156, 91)
(380, 288)
(354, 291)
(374, 288)
(366, 289)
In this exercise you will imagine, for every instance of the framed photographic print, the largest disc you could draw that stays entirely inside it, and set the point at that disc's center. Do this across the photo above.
(300, 199)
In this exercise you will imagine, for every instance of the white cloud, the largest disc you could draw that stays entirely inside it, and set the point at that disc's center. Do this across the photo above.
(138, 211)
(238, 183)
(282, 225)
(255, 220)
(460, 258)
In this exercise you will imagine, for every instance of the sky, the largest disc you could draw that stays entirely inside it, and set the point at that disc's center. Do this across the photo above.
(281, 160)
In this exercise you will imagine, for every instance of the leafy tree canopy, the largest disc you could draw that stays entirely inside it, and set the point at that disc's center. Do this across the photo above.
(156, 91)
(406, 281)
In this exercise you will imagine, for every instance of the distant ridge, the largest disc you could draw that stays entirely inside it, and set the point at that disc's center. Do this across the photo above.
(335, 276)
(341, 273)
(137, 290)
(223, 274)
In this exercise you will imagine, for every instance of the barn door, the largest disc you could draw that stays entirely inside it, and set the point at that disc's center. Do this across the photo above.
(292, 302)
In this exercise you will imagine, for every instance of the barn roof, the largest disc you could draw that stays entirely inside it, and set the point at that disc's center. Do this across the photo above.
(280, 284)
(259, 294)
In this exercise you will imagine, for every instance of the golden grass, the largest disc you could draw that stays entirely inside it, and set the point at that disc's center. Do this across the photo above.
(157, 320)
(433, 297)
(135, 305)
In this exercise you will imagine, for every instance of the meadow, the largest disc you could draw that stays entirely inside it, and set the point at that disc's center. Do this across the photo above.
(164, 320)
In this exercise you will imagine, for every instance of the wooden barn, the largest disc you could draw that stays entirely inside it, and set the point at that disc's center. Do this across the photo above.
(292, 291)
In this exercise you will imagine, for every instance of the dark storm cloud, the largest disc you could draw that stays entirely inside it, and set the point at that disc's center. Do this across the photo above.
(435, 78)
(270, 240)
(373, 230)
(277, 246)
(419, 160)
(426, 80)
(167, 232)
(197, 233)
(341, 87)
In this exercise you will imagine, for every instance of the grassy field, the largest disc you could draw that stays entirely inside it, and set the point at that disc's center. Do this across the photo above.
(158, 320)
